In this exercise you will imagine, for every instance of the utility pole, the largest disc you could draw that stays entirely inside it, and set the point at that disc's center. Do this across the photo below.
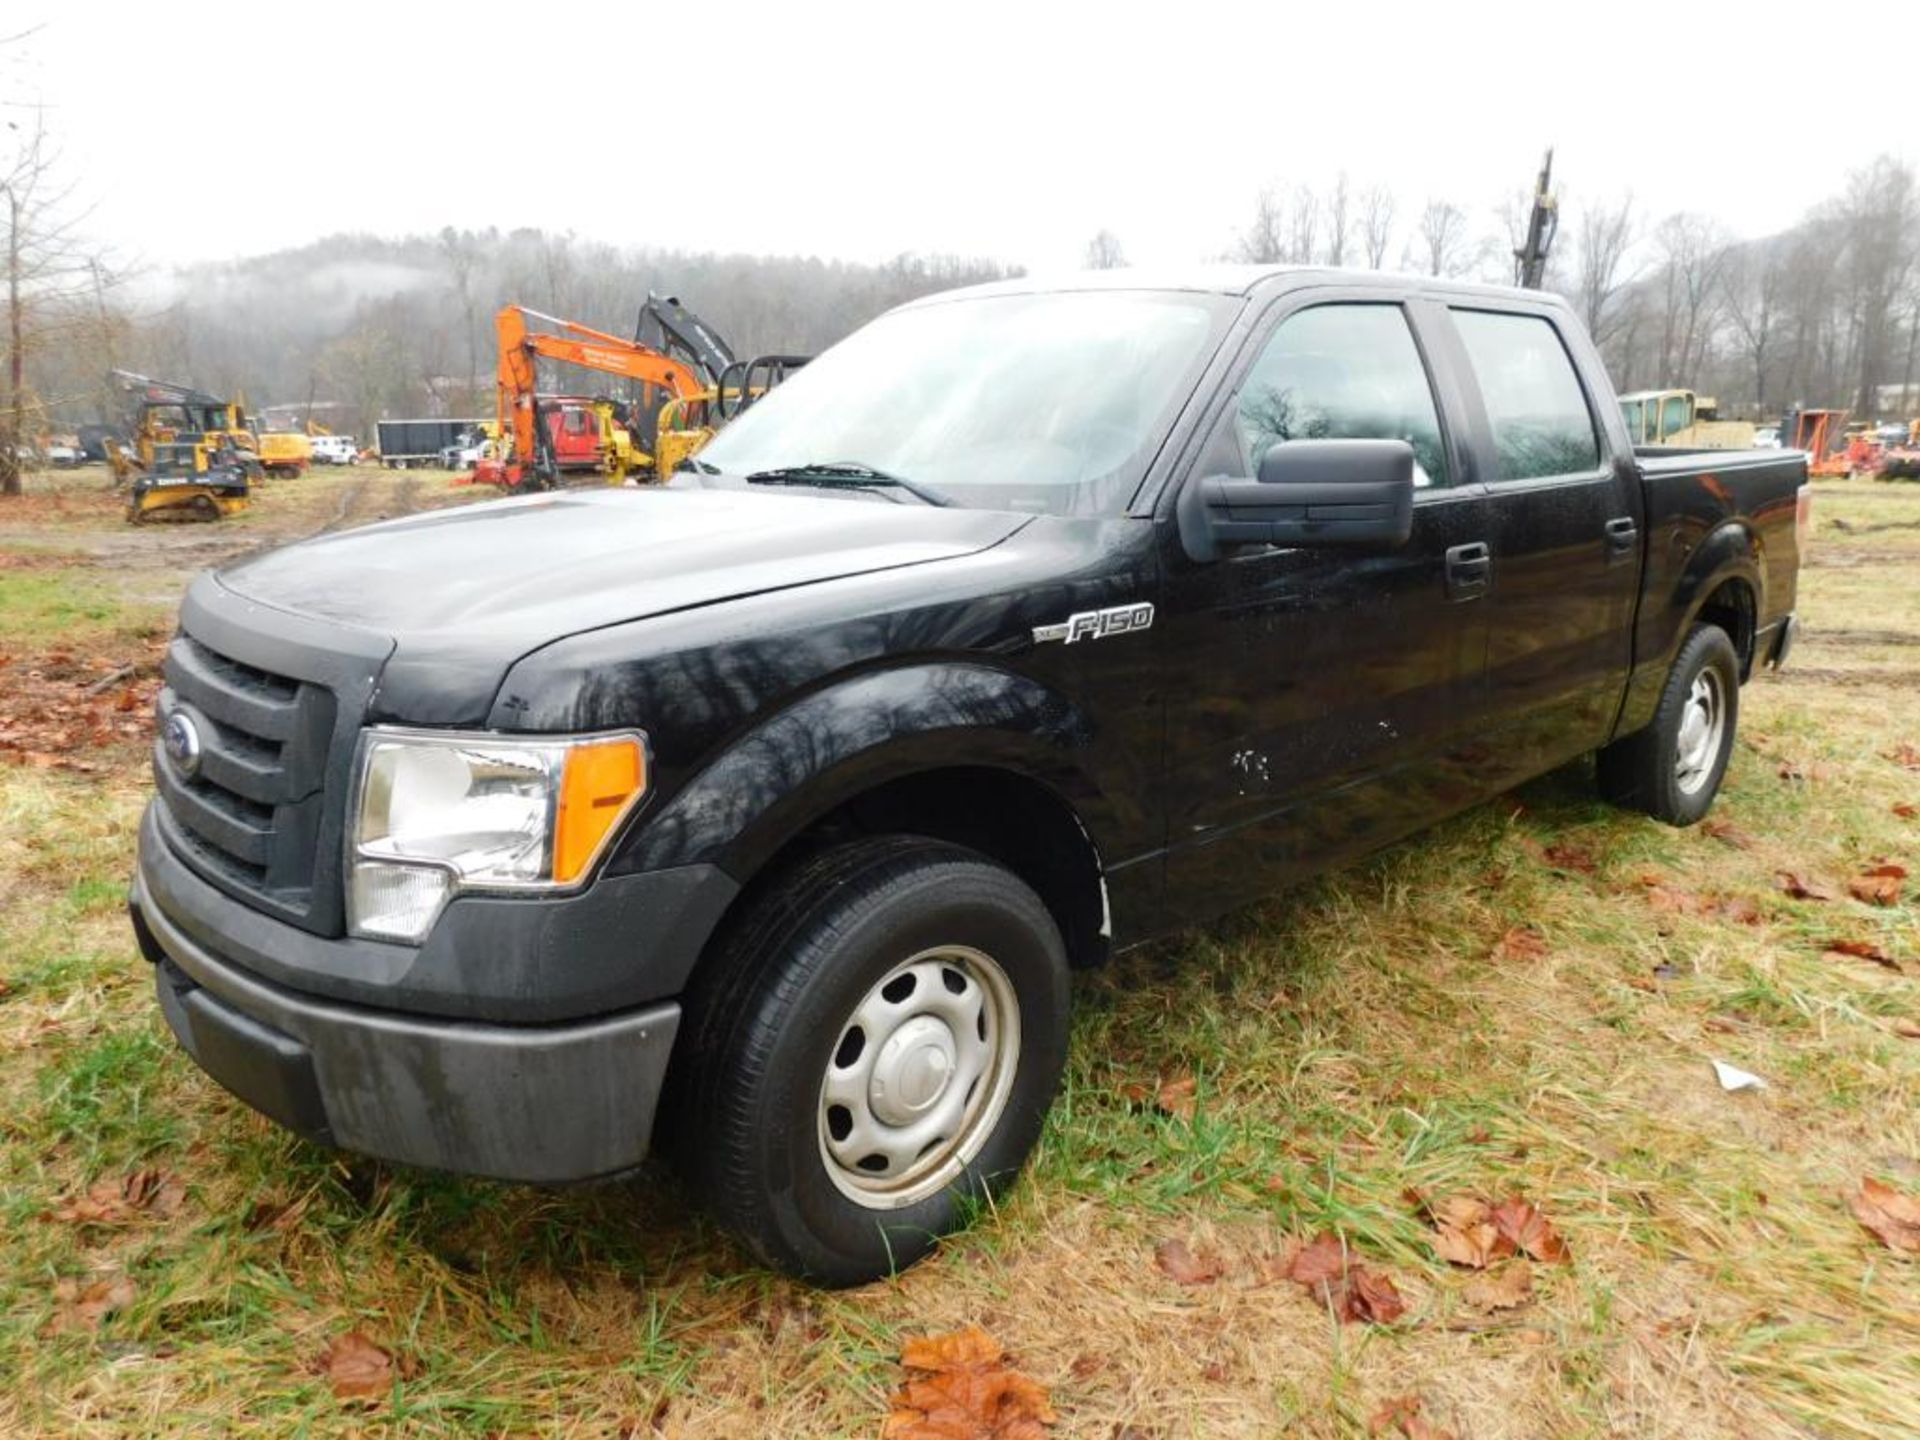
(1530, 257)
(16, 354)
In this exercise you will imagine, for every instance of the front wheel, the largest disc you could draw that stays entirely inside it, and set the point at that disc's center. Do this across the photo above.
(1672, 769)
(873, 1049)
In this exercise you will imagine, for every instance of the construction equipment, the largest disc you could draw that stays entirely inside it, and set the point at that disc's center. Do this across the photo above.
(1818, 432)
(165, 412)
(1530, 255)
(531, 455)
(688, 385)
(284, 453)
(189, 480)
(1682, 418)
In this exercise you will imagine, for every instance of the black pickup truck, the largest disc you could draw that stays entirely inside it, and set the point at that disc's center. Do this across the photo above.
(761, 817)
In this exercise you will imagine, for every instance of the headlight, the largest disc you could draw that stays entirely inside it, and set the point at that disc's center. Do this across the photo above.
(440, 812)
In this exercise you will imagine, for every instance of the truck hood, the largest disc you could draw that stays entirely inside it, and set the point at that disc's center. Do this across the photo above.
(464, 593)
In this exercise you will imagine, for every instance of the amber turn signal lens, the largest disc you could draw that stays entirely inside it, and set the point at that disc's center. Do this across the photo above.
(601, 780)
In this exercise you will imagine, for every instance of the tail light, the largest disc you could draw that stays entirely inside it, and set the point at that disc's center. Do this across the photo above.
(1802, 517)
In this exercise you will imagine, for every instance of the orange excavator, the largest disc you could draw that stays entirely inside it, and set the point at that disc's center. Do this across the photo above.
(530, 456)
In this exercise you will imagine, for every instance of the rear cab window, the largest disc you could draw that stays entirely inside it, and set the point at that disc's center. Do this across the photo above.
(1536, 408)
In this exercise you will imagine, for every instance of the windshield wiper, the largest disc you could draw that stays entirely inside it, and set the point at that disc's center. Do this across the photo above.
(846, 475)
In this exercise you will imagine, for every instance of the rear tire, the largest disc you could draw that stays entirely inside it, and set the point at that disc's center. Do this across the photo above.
(1672, 769)
(873, 1048)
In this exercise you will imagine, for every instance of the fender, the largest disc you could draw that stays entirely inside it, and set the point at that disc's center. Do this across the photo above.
(1730, 551)
(835, 743)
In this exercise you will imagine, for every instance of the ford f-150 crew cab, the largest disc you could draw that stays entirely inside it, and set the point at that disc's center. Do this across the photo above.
(761, 817)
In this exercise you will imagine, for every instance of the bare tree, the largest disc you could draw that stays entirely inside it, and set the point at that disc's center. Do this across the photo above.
(1376, 224)
(463, 260)
(1880, 213)
(1443, 239)
(1103, 251)
(45, 273)
(1263, 242)
(1754, 279)
(1604, 236)
(1303, 226)
(1693, 252)
(1339, 224)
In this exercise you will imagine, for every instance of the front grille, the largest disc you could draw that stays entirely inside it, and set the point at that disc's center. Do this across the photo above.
(251, 813)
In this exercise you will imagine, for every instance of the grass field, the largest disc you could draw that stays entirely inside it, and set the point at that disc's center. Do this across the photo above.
(1524, 1002)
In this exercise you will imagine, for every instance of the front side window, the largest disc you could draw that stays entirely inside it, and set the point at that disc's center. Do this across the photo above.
(1541, 424)
(1342, 372)
(1674, 416)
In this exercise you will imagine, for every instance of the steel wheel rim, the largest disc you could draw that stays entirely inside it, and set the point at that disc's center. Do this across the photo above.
(1703, 724)
(906, 1106)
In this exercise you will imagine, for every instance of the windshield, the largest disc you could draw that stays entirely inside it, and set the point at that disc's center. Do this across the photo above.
(1051, 403)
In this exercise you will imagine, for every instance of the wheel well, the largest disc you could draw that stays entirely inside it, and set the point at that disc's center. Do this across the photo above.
(1007, 817)
(1731, 606)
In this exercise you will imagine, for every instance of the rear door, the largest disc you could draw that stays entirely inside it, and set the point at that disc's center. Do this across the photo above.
(1318, 699)
(1565, 532)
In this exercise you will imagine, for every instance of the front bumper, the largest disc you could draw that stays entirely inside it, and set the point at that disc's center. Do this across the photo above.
(539, 1103)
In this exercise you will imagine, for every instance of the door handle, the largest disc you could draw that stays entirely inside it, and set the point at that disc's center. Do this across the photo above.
(1623, 539)
(1469, 570)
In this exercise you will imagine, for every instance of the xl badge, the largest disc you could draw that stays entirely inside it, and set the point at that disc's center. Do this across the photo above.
(1098, 624)
(180, 737)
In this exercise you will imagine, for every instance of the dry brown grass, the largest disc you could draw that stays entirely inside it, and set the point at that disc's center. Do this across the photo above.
(1362, 1036)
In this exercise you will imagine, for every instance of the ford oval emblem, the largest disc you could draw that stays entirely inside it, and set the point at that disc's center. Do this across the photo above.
(181, 739)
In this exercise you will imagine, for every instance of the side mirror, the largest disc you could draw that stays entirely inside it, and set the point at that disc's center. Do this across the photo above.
(1309, 492)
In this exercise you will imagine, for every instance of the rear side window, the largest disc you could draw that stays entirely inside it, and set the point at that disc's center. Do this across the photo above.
(1541, 424)
(1342, 372)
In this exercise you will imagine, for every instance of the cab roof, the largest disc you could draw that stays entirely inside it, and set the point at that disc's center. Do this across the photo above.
(1237, 280)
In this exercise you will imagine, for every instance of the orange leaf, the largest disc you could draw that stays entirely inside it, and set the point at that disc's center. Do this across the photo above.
(1465, 1233)
(1801, 889)
(1401, 1416)
(1906, 811)
(1371, 1296)
(1183, 1267)
(1567, 856)
(1877, 887)
(83, 1307)
(1862, 950)
(1522, 942)
(1507, 1289)
(1727, 833)
(966, 1393)
(1176, 1097)
(1318, 1264)
(1529, 1231)
(356, 1368)
(1889, 1214)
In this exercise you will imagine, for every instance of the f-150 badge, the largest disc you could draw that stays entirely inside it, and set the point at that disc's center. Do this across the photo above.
(1098, 624)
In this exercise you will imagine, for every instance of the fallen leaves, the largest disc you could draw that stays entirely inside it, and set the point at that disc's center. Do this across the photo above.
(116, 1202)
(1522, 942)
(1878, 885)
(1727, 833)
(1175, 1096)
(1800, 888)
(1891, 1215)
(964, 1390)
(1181, 1265)
(1472, 1233)
(1400, 1415)
(57, 710)
(1328, 1272)
(82, 1308)
(1905, 755)
(1906, 811)
(1861, 950)
(1566, 855)
(1506, 1289)
(356, 1368)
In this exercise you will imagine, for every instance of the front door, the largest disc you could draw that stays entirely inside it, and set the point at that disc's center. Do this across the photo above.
(1319, 699)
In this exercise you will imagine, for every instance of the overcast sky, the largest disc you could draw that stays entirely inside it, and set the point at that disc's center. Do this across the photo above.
(859, 131)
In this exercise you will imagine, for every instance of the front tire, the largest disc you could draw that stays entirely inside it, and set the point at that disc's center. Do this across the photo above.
(1672, 769)
(873, 1049)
